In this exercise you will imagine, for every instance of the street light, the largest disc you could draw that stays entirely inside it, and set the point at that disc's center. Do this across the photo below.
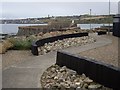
(90, 18)
(109, 17)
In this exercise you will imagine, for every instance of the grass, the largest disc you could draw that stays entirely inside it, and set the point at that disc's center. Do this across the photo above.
(21, 43)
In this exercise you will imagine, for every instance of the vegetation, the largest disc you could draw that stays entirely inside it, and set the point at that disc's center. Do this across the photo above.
(21, 43)
(5, 45)
(95, 20)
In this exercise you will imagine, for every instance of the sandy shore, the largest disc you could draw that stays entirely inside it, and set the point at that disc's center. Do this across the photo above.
(107, 54)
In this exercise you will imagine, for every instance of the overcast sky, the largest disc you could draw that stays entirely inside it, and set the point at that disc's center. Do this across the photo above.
(42, 9)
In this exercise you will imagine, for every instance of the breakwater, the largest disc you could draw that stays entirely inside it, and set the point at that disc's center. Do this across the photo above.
(52, 26)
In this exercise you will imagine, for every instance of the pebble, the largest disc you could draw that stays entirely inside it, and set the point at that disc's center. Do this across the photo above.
(87, 80)
(62, 78)
(77, 83)
(94, 86)
(55, 78)
(65, 43)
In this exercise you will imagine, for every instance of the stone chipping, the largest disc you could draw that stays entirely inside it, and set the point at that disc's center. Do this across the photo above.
(65, 43)
(61, 78)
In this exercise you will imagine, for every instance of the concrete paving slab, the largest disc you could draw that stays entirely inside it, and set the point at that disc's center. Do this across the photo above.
(21, 78)
(27, 74)
(40, 61)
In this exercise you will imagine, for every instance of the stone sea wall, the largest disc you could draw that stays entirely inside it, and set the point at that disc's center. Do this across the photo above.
(54, 26)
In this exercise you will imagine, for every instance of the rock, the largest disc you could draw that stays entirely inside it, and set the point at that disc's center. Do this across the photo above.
(87, 80)
(83, 76)
(47, 86)
(73, 77)
(48, 81)
(76, 80)
(48, 77)
(72, 72)
(77, 83)
(62, 84)
(53, 69)
(73, 85)
(53, 75)
(63, 69)
(55, 78)
(62, 78)
(97, 86)
(85, 85)
(39, 50)
(78, 88)
(65, 43)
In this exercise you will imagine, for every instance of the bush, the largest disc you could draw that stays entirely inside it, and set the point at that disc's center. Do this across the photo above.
(5, 45)
(21, 43)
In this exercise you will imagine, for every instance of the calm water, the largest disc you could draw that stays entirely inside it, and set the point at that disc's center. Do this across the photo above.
(13, 28)
(87, 26)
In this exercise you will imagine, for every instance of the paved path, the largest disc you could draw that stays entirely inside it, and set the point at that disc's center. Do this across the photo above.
(28, 73)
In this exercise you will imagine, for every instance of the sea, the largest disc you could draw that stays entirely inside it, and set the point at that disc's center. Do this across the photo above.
(13, 28)
(92, 26)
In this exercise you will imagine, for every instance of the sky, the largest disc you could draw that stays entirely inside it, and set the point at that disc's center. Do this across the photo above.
(14, 10)
(119, 8)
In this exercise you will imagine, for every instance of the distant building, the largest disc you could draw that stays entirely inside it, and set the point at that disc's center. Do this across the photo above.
(73, 21)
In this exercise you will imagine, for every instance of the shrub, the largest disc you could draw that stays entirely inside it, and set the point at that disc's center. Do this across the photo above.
(21, 43)
(4, 46)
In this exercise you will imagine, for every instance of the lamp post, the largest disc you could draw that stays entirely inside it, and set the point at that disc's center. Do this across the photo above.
(90, 18)
(109, 20)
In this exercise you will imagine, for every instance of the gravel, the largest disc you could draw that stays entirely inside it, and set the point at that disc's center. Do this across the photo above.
(106, 54)
(56, 77)
(65, 43)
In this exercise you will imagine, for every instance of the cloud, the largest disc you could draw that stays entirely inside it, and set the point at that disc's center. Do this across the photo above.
(40, 9)
(59, 0)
